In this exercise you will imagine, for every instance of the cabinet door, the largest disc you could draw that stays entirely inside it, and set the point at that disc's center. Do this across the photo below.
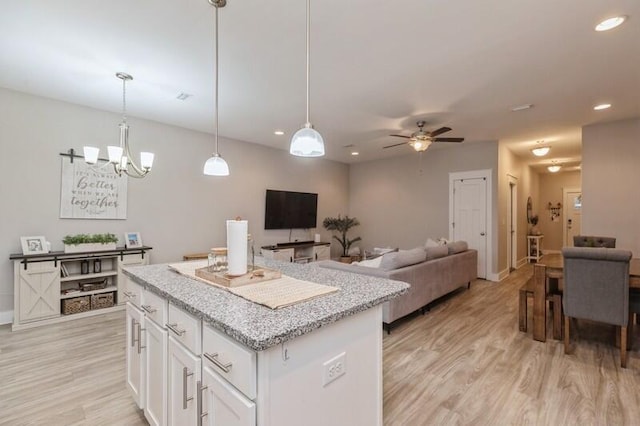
(136, 356)
(156, 392)
(321, 252)
(222, 404)
(284, 255)
(184, 373)
(128, 260)
(38, 290)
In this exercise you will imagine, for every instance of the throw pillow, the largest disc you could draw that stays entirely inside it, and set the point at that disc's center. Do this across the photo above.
(383, 250)
(457, 247)
(436, 252)
(431, 243)
(370, 263)
(443, 241)
(402, 258)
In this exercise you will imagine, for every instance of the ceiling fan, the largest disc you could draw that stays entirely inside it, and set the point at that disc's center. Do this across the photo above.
(421, 139)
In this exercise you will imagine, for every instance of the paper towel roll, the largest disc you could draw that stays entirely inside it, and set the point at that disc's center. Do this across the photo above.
(237, 246)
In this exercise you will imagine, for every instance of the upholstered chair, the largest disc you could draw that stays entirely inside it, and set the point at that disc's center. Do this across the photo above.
(596, 288)
(591, 241)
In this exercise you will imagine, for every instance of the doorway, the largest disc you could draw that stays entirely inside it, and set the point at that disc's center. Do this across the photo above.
(470, 214)
(572, 212)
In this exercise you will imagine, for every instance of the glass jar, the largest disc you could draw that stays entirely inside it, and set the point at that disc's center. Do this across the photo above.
(217, 260)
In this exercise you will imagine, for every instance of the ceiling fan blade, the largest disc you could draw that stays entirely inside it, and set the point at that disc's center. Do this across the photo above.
(401, 136)
(391, 146)
(439, 131)
(448, 139)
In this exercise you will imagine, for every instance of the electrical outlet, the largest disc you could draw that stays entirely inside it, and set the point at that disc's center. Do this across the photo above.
(334, 368)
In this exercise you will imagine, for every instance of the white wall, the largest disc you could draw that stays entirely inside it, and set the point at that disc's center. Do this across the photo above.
(611, 182)
(176, 208)
(400, 206)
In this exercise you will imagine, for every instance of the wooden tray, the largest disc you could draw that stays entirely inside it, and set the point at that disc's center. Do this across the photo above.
(221, 278)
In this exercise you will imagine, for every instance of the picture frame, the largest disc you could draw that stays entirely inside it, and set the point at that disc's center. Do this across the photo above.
(132, 239)
(34, 245)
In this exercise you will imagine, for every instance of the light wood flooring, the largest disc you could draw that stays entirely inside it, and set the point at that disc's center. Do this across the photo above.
(464, 362)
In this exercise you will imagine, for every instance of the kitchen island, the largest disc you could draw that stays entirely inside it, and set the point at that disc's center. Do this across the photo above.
(198, 353)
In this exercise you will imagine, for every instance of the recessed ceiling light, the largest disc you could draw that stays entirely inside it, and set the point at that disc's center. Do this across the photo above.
(521, 107)
(278, 132)
(610, 23)
(355, 153)
(601, 107)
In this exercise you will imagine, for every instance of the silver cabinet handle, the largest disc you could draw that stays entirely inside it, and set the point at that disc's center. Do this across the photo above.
(148, 308)
(140, 330)
(214, 359)
(129, 294)
(174, 327)
(185, 374)
(133, 332)
(201, 415)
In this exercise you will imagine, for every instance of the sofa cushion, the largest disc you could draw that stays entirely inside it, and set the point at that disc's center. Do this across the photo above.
(431, 243)
(370, 263)
(402, 258)
(436, 252)
(457, 247)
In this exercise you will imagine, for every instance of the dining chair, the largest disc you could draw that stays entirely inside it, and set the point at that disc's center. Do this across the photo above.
(596, 288)
(591, 241)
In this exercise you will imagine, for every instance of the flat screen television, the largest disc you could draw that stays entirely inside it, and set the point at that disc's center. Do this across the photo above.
(290, 210)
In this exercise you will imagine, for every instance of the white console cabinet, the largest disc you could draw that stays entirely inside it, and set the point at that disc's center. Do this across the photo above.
(58, 286)
(299, 252)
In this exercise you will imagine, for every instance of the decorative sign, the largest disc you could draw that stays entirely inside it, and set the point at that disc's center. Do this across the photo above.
(92, 192)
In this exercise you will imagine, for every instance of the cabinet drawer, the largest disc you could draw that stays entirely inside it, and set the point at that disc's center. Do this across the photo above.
(185, 328)
(132, 292)
(231, 360)
(155, 307)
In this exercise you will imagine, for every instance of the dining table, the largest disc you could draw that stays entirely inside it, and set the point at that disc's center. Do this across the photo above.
(550, 267)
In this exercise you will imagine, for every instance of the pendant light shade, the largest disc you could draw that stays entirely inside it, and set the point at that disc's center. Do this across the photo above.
(307, 142)
(216, 166)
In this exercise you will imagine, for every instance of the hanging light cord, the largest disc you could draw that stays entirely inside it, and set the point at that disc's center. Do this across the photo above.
(216, 79)
(307, 41)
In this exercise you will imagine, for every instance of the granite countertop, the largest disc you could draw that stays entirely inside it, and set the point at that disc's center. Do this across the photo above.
(257, 326)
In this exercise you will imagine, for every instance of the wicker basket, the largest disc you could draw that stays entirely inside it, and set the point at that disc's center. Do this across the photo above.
(93, 285)
(103, 300)
(76, 305)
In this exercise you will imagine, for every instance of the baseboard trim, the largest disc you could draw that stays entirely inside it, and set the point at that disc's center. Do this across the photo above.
(496, 277)
(521, 263)
(6, 317)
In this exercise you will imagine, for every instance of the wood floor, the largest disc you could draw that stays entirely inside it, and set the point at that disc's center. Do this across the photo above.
(464, 362)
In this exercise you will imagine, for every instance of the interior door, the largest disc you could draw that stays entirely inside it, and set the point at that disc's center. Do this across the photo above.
(572, 209)
(470, 217)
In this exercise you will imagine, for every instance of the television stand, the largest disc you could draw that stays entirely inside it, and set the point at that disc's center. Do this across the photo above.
(298, 251)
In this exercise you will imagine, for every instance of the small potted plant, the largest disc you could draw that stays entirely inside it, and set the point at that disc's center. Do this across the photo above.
(89, 242)
(342, 225)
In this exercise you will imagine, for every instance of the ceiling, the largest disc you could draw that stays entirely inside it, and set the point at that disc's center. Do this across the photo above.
(377, 67)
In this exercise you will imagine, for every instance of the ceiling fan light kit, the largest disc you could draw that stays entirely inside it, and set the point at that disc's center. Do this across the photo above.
(216, 166)
(421, 139)
(307, 142)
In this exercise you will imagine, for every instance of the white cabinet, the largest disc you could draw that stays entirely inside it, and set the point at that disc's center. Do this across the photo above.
(184, 375)
(58, 286)
(37, 291)
(155, 407)
(321, 252)
(222, 404)
(283, 255)
(136, 355)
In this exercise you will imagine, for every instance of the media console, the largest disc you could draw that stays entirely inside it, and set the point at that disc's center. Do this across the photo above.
(298, 251)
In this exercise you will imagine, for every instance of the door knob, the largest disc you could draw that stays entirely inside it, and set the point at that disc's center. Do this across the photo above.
(482, 234)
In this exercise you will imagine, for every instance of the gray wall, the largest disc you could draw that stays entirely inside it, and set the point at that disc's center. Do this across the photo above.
(551, 186)
(402, 201)
(611, 182)
(176, 208)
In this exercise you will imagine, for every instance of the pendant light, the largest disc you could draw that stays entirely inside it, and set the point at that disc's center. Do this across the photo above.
(307, 142)
(216, 166)
(120, 156)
